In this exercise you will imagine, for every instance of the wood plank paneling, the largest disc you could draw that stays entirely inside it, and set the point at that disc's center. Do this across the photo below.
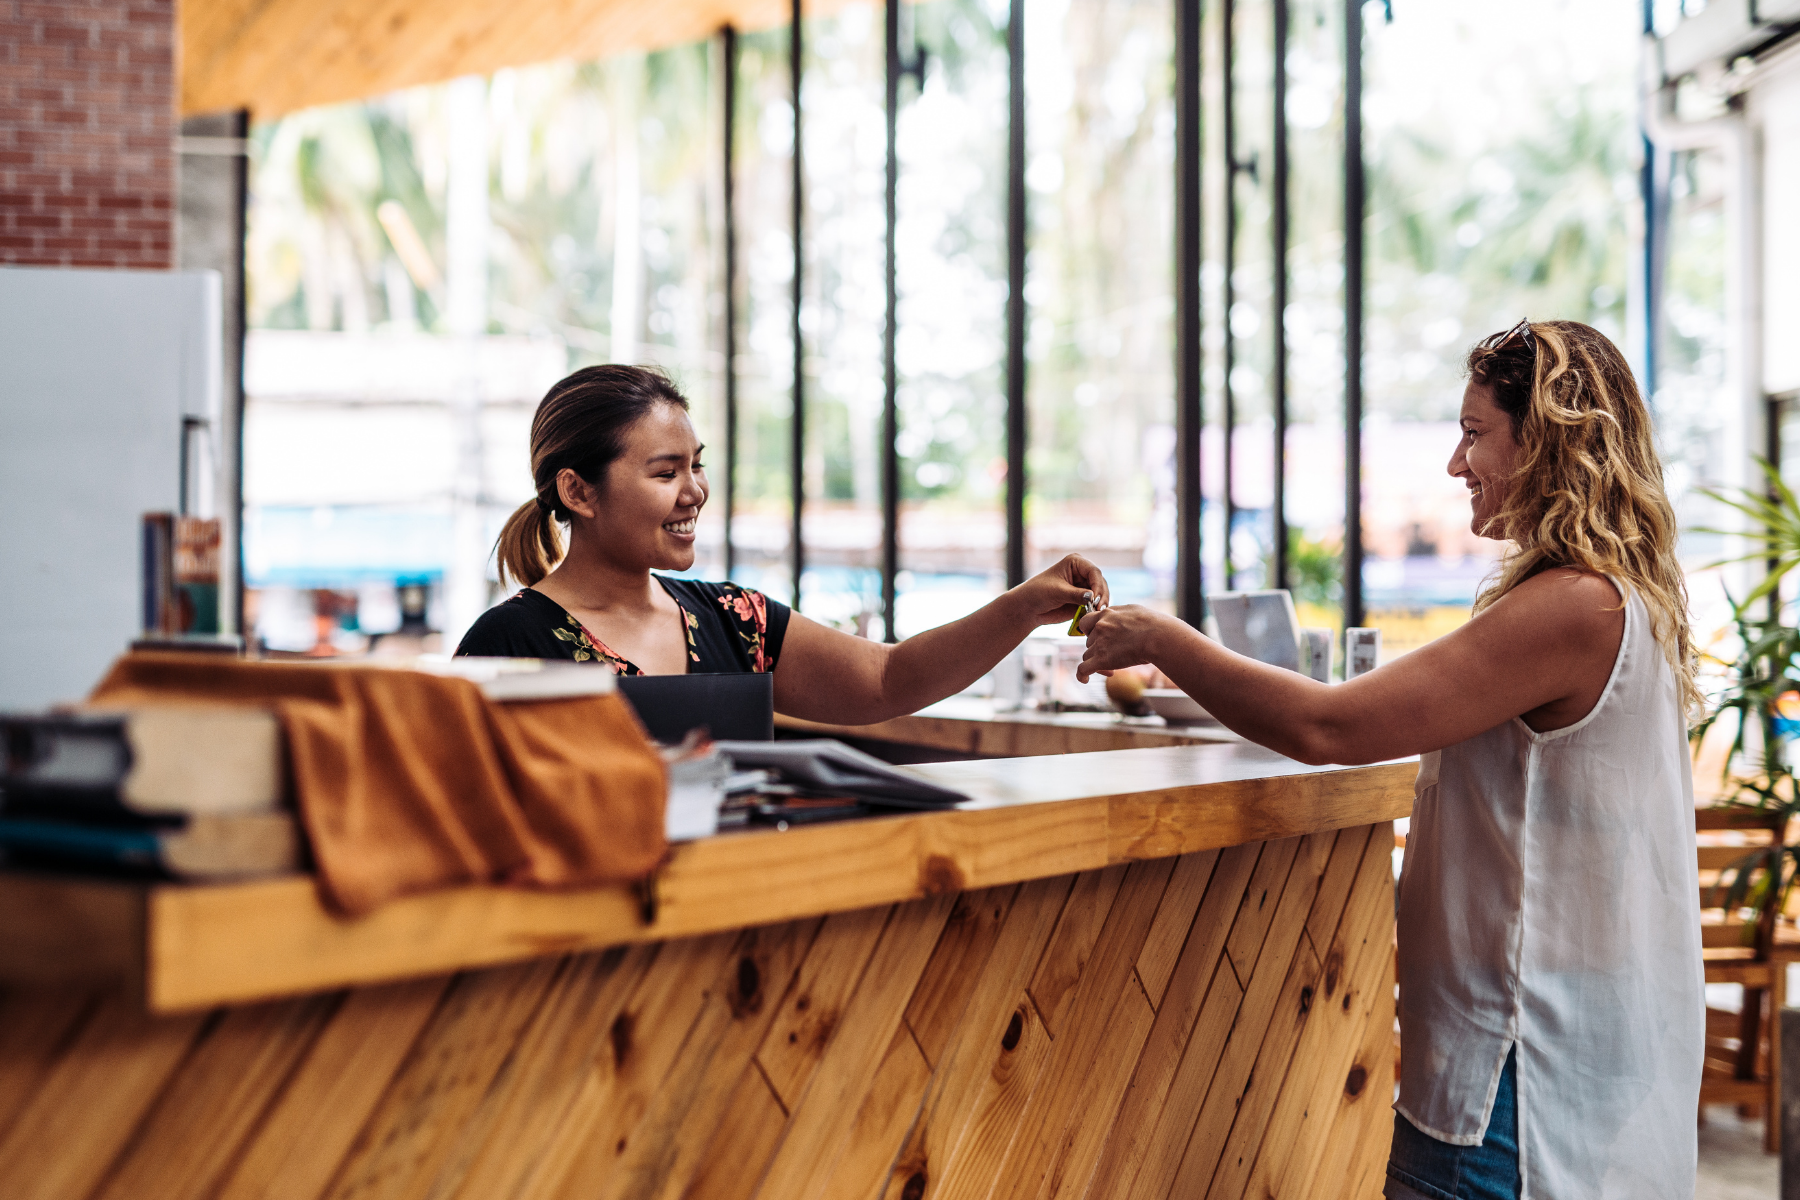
(739, 1155)
(440, 1087)
(1088, 1069)
(35, 1025)
(1185, 1043)
(672, 1140)
(1083, 917)
(642, 1047)
(1270, 1006)
(882, 1121)
(1174, 919)
(569, 1034)
(89, 1103)
(795, 1043)
(815, 1133)
(956, 965)
(299, 1144)
(996, 1041)
(226, 1087)
(1218, 1025)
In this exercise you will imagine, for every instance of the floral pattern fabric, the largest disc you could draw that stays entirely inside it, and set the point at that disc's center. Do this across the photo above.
(730, 629)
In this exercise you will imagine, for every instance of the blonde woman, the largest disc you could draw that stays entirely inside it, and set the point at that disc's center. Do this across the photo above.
(1551, 1000)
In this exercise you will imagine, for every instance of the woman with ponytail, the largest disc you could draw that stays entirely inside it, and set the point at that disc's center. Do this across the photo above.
(616, 463)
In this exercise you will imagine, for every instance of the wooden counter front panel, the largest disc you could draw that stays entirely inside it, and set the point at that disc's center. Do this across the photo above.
(1212, 1025)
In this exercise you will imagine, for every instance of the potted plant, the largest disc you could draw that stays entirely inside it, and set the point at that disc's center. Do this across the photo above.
(1762, 688)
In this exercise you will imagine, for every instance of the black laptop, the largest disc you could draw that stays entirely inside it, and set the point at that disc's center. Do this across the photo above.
(737, 707)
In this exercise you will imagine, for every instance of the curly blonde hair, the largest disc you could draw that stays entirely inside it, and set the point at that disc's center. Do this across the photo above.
(1587, 491)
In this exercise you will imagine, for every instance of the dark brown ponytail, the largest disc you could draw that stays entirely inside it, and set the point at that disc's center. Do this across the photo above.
(580, 424)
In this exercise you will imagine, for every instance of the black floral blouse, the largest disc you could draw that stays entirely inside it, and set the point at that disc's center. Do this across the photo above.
(730, 630)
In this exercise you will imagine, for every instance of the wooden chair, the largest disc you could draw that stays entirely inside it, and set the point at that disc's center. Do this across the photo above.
(1743, 1049)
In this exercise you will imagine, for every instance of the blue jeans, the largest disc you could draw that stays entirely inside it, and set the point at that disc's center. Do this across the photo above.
(1422, 1168)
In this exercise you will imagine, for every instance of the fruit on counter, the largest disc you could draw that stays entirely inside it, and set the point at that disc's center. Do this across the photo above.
(1126, 690)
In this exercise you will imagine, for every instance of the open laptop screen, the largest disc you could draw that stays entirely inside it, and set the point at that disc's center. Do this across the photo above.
(736, 707)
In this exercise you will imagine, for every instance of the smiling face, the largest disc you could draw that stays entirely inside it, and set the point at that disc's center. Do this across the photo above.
(1484, 458)
(643, 515)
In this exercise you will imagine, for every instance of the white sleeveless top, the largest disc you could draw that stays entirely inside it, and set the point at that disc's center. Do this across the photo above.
(1550, 901)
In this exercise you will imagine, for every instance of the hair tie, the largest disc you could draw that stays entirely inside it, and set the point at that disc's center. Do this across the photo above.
(545, 505)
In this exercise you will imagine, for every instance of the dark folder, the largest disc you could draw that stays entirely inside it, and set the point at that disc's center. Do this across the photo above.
(738, 707)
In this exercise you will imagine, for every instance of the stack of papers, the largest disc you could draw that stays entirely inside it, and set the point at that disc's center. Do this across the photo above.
(830, 768)
(696, 791)
(790, 774)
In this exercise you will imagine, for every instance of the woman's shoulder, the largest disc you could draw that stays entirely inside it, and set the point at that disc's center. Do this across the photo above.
(705, 589)
(721, 595)
(752, 626)
(1572, 590)
(523, 625)
(1563, 606)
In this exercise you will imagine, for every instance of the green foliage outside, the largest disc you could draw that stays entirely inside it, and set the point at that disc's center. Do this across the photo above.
(1315, 570)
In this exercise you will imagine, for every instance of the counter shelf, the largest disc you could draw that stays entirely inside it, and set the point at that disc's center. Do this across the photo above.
(970, 727)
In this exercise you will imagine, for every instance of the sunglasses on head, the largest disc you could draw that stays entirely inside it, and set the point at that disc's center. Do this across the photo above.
(1522, 331)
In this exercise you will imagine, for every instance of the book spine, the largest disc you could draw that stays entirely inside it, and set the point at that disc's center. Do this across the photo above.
(67, 769)
(196, 575)
(58, 843)
(158, 572)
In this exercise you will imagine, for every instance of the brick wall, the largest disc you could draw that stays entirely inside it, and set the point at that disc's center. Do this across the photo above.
(87, 127)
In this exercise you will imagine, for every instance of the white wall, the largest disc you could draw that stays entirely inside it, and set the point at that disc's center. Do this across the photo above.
(97, 369)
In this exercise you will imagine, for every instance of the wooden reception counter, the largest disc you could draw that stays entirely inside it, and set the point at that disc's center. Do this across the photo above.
(1135, 973)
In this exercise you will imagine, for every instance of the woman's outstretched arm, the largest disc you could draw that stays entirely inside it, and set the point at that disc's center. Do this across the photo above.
(827, 675)
(1545, 650)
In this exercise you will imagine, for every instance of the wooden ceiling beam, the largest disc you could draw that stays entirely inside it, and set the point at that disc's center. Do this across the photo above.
(276, 56)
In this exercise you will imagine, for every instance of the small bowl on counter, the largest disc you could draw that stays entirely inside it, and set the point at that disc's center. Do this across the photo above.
(1177, 707)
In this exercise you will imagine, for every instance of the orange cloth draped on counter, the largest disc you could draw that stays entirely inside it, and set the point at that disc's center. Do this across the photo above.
(408, 781)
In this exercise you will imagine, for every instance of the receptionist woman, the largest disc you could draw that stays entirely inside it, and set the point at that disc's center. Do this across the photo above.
(615, 459)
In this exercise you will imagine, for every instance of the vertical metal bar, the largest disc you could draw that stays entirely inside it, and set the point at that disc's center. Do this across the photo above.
(1647, 179)
(1789, 1102)
(797, 427)
(1278, 375)
(890, 372)
(1190, 590)
(1773, 409)
(1353, 312)
(1016, 429)
(238, 323)
(1228, 395)
(728, 46)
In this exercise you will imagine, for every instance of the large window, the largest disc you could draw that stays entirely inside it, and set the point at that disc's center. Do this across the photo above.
(763, 146)
(951, 349)
(1099, 288)
(423, 264)
(1502, 178)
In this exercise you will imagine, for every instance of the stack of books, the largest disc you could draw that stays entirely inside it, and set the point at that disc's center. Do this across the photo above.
(168, 792)
(180, 574)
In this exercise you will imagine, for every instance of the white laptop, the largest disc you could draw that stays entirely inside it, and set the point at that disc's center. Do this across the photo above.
(1259, 625)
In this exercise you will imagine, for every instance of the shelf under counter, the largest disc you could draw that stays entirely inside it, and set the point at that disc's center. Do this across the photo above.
(971, 727)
